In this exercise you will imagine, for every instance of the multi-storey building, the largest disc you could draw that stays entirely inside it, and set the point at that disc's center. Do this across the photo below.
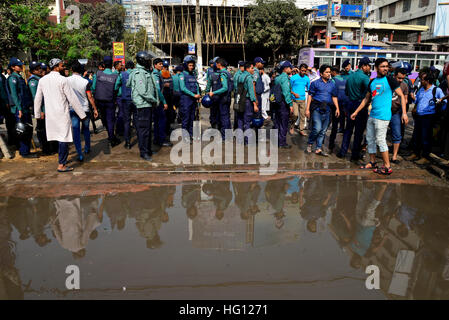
(411, 12)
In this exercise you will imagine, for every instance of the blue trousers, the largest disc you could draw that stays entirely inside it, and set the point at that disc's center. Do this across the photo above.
(25, 141)
(423, 132)
(160, 120)
(187, 109)
(127, 109)
(107, 110)
(337, 121)
(224, 120)
(244, 118)
(396, 127)
(359, 124)
(214, 116)
(63, 152)
(282, 114)
(320, 122)
(119, 124)
(143, 127)
(77, 127)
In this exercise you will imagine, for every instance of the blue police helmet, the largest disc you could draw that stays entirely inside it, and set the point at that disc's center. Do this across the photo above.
(34, 65)
(187, 60)
(43, 66)
(206, 101)
(257, 122)
(408, 67)
(165, 63)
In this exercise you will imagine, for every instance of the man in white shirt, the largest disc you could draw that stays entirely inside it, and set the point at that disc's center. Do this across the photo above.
(57, 94)
(81, 87)
(265, 97)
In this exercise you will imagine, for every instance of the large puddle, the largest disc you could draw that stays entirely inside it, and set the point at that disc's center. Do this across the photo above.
(294, 238)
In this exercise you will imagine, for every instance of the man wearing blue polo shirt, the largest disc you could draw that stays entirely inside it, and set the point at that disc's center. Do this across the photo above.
(300, 84)
(322, 93)
(381, 95)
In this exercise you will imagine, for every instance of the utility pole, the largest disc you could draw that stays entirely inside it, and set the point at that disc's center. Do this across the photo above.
(198, 37)
(362, 25)
(329, 24)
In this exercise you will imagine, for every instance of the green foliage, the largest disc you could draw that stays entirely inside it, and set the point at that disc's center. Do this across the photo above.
(276, 24)
(26, 28)
(135, 42)
(106, 22)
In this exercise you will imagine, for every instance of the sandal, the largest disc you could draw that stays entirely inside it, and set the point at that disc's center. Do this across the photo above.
(309, 149)
(383, 170)
(321, 153)
(373, 165)
(66, 169)
(396, 161)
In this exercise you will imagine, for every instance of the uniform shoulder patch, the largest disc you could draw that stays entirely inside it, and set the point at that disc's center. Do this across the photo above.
(181, 78)
(14, 80)
(33, 83)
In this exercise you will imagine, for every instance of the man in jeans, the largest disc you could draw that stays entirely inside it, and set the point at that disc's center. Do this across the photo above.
(322, 93)
(396, 111)
(300, 84)
(426, 103)
(356, 88)
(81, 87)
(380, 94)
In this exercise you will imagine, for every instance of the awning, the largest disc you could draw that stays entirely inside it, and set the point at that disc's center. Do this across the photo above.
(378, 26)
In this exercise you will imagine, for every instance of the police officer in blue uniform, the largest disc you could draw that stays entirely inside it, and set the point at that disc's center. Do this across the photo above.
(213, 76)
(127, 107)
(105, 87)
(21, 106)
(48, 147)
(4, 107)
(219, 87)
(160, 118)
(190, 95)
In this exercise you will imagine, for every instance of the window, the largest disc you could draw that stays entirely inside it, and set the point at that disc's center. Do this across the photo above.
(392, 10)
(421, 21)
(423, 3)
(406, 5)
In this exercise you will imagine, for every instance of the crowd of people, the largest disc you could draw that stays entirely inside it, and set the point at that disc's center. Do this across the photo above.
(151, 98)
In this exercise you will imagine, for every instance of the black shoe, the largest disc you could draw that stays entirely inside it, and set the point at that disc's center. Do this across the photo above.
(288, 146)
(146, 157)
(95, 131)
(167, 144)
(30, 156)
(340, 156)
(115, 142)
(127, 145)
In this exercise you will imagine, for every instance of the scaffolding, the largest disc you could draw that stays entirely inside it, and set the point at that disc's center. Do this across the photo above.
(175, 24)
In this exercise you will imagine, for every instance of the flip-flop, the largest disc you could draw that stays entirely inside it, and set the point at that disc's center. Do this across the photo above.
(67, 169)
(373, 165)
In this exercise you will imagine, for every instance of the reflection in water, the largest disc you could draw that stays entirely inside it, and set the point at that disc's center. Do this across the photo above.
(400, 228)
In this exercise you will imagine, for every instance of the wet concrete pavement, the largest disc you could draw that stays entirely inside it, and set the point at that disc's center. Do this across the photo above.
(150, 231)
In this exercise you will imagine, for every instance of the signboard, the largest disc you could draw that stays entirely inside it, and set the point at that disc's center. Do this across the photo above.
(347, 35)
(441, 28)
(191, 48)
(344, 10)
(118, 51)
(356, 47)
(306, 55)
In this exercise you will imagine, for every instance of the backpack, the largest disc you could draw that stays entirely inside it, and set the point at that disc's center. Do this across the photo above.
(438, 106)
(259, 86)
(276, 94)
(240, 96)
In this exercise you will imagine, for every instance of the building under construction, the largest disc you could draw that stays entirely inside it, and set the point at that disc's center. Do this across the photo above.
(222, 27)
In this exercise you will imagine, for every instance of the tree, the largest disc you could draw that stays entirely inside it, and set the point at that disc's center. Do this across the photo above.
(135, 42)
(24, 26)
(277, 25)
(106, 22)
